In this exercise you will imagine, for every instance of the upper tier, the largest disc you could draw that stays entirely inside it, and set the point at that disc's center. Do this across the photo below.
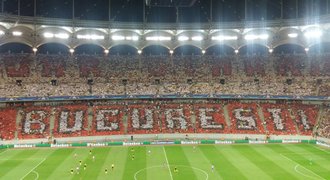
(26, 75)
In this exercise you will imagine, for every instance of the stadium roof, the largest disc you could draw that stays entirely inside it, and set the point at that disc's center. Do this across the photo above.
(168, 11)
(49, 23)
(28, 31)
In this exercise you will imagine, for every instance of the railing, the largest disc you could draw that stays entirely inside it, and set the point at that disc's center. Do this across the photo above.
(168, 96)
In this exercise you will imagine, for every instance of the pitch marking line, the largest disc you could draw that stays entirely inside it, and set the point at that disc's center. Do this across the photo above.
(295, 168)
(3, 151)
(322, 150)
(20, 159)
(35, 172)
(168, 166)
(151, 167)
(33, 169)
(302, 167)
(298, 153)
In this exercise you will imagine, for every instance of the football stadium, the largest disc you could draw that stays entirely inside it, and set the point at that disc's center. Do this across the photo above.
(165, 89)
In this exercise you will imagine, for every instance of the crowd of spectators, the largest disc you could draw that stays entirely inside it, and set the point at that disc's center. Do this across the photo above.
(244, 118)
(99, 118)
(278, 119)
(59, 75)
(26, 75)
(7, 123)
(323, 127)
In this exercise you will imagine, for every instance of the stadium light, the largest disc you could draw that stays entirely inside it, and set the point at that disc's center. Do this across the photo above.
(158, 38)
(197, 38)
(139, 51)
(183, 38)
(48, 35)
(255, 37)
(132, 38)
(17, 33)
(59, 35)
(313, 34)
(62, 36)
(263, 36)
(293, 35)
(118, 38)
(224, 38)
(90, 36)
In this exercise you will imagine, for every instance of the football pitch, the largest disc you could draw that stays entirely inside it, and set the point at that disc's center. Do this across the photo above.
(186, 162)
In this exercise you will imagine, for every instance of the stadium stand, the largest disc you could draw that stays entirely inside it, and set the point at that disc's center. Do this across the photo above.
(163, 75)
(52, 65)
(7, 123)
(98, 118)
(278, 119)
(323, 127)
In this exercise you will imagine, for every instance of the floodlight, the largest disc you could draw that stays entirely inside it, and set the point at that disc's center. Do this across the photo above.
(48, 35)
(151, 38)
(250, 37)
(255, 37)
(34, 50)
(313, 34)
(183, 38)
(118, 38)
(17, 33)
(106, 51)
(270, 50)
(164, 38)
(158, 38)
(139, 51)
(223, 38)
(236, 51)
(82, 36)
(293, 35)
(306, 49)
(92, 37)
(132, 38)
(197, 38)
(263, 36)
(71, 50)
(171, 51)
(59, 35)
(62, 36)
(135, 38)
(203, 51)
(96, 37)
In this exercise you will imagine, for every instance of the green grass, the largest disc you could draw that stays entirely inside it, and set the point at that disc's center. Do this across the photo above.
(271, 161)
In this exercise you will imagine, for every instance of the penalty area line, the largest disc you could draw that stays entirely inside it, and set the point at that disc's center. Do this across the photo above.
(302, 167)
(168, 166)
(295, 168)
(322, 150)
(34, 169)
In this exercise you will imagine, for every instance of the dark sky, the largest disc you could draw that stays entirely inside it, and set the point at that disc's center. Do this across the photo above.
(132, 10)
